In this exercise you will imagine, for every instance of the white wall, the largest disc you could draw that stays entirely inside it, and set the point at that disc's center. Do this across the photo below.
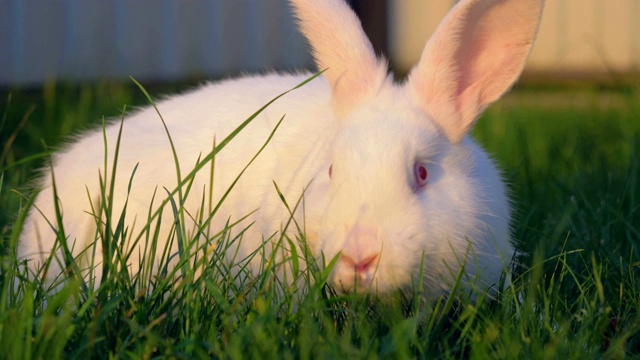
(579, 37)
(147, 39)
(177, 39)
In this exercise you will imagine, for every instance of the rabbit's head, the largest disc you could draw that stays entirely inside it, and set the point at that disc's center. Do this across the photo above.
(407, 194)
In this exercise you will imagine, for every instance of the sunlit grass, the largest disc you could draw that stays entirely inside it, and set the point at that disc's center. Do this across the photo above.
(573, 173)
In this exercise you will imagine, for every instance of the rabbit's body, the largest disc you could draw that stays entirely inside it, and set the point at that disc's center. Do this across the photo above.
(391, 179)
(192, 121)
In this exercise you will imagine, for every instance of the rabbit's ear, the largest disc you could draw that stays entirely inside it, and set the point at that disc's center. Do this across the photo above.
(342, 48)
(475, 55)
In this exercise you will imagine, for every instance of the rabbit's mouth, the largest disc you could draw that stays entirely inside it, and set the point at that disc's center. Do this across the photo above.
(355, 286)
(359, 275)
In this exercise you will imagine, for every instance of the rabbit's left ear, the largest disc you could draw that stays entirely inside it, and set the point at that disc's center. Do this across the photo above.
(475, 55)
(342, 48)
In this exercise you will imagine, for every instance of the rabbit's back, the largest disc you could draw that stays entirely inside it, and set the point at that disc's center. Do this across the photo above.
(195, 121)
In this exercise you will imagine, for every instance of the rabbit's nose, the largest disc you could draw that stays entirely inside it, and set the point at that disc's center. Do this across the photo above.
(361, 266)
(359, 259)
(358, 273)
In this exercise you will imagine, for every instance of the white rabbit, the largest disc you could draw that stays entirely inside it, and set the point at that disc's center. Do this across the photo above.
(390, 178)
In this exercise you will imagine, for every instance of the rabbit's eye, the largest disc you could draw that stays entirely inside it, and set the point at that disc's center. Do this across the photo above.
(420, 173)
(330, 170)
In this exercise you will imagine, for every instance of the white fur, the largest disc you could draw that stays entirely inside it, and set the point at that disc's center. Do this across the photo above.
(354, 119)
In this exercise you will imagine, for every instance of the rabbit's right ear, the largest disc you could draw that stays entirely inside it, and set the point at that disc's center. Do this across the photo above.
(342, 48)
(475, 55)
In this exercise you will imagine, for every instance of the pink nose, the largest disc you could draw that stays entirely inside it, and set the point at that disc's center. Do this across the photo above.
(361, 266)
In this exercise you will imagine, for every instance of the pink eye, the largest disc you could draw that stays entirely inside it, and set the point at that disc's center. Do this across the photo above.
(330, 170)
(420, 173)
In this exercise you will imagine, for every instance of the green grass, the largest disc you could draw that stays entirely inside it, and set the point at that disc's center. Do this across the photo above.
(570, 156)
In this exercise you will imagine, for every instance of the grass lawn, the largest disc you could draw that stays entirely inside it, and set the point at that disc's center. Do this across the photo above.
(571, 158)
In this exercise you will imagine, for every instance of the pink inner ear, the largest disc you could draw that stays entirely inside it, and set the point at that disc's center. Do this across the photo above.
(341, 48)
(475, 55)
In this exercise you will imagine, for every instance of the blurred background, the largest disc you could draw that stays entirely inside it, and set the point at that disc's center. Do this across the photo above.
(168, 40)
